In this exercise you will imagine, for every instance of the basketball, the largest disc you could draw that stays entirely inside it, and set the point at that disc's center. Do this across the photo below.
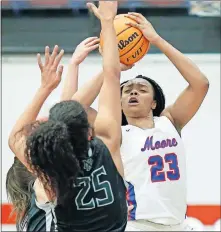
(132, 45)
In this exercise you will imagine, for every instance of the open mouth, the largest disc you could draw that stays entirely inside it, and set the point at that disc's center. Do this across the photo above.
(133, 101)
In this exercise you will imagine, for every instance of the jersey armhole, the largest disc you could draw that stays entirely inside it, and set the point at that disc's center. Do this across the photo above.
(171, 123)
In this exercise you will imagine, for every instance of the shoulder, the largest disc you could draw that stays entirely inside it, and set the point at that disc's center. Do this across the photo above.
(164, 122)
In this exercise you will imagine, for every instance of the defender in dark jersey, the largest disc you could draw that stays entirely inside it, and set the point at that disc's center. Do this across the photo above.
(39, 217)
(98, 194)
(21, 190)
(18, 184)
(81, 173)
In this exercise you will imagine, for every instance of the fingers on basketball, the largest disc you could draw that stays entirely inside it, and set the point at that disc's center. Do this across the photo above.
(133, 17)
(137, 15)
(134, 25)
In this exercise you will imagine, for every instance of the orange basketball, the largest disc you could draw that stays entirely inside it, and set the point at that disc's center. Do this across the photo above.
(132, 45)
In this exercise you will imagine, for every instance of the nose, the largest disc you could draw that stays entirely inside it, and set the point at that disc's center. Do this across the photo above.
(134, 92)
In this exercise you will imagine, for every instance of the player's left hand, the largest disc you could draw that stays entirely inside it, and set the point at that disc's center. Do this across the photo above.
(84, 48)
(144, 25)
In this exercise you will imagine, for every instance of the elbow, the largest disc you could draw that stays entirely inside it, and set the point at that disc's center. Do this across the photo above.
(201, 83)
(200, 86)
(205, 83)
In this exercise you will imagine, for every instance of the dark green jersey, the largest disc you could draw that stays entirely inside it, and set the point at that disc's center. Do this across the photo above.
(99, 196)
(39, 217)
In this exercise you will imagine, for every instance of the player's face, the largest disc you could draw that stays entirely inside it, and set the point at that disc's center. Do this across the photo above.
(137, 98)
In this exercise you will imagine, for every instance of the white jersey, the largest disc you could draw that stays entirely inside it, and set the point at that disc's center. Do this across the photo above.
(155, 169)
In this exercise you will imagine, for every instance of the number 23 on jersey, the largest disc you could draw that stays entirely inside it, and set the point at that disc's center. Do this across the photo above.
(157, 168)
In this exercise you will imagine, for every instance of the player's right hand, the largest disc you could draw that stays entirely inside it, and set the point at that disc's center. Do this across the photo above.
(144, 25)
(51, 72)
(106, 11)
(84, 48)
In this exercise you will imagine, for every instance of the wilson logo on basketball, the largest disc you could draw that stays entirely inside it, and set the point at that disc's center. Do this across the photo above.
(123, 43)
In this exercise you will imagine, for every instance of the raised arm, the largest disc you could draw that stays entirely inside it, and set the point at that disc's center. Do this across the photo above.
(189, 101)
(50, 78)
(79, 55)
(90, 90)
(108, 121)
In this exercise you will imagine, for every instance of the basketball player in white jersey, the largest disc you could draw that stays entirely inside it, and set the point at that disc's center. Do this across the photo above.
(152, 150)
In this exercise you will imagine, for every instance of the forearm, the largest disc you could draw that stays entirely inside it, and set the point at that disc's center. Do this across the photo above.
(111, 61)
(109, 99)
(71, 82)
(31, 112)
(88, 92)
(185, 66)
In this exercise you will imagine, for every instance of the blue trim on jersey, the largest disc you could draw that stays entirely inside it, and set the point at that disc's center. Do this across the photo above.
(131, 200)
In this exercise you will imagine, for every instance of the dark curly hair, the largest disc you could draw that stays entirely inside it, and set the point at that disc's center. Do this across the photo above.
(159, 97)
(55, 147)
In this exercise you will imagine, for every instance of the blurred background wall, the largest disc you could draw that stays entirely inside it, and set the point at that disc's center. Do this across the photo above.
(27, 26)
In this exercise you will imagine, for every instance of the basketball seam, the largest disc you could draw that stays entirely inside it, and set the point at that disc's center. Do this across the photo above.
(132, 47)
(124, 30)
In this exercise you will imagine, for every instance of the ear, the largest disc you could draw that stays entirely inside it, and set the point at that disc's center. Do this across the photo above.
(154, 105)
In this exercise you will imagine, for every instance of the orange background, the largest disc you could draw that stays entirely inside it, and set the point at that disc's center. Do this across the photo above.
(207, 214)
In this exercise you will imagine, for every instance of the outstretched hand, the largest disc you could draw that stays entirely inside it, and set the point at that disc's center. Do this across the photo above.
(84, 48)
(106, 11)
(51, 72)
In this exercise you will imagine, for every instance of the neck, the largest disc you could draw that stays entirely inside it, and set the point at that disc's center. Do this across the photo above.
(141, 122)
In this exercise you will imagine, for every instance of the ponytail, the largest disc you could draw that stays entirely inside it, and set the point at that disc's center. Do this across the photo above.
(51, 157)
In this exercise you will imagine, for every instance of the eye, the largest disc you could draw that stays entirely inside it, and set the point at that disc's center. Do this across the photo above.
(143, 90)
(127, 91)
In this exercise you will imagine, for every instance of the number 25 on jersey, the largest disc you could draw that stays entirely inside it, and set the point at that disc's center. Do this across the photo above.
(157, 168)
(93, 183)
